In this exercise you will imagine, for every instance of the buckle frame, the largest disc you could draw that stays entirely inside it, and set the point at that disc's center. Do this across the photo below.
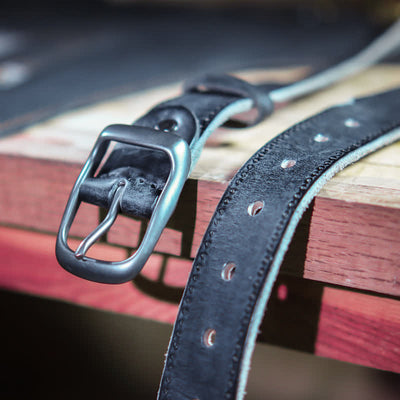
(102, 271)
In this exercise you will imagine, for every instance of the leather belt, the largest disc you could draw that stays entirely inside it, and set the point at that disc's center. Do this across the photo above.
(242, 250)
(145, 172)
(240, 255)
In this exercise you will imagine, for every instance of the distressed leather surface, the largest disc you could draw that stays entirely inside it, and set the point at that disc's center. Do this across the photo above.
(194, 370)
(146, 171)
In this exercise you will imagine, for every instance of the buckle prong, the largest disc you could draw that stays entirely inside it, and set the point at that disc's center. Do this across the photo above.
(105, 225)
(76, 262)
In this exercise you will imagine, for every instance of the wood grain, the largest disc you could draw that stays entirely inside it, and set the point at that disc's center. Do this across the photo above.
(31, 267)
(370, 261)
(361, 204)
(349, 243)
(335, 323)
(302, 314)
(357, 328)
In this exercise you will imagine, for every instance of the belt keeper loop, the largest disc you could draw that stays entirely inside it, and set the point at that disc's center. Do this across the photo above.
(230, 85)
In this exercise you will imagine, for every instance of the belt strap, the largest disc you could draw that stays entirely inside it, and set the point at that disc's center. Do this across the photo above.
(192, 116)
(239, 258)
(145, 172)
(143, 176)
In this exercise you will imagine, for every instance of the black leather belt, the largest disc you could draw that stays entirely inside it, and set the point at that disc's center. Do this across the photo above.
(237, 263)
(145, 172)
(239, 259)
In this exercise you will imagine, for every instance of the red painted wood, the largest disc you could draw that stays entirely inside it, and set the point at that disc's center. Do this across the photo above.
(354, 327)
(28, 264)
(355, 245)
(358, 328)
(350, 244)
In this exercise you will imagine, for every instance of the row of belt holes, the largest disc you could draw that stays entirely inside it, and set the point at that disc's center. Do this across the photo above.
(253, 210)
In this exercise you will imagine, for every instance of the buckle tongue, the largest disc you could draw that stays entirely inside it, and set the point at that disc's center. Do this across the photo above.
(105, 225)
(96, 270)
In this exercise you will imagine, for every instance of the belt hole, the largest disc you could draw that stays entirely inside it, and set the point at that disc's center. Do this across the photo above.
(319, 137)
(351, 123)
(255, 208)
(209, 337)
(228, 271)
(201, 88)
(167, 125)
(288, 163)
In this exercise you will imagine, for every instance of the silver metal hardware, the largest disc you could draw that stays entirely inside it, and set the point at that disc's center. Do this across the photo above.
(122, 271)
(108, 221)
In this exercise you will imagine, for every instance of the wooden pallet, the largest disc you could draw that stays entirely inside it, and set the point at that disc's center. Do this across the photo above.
(340, 283)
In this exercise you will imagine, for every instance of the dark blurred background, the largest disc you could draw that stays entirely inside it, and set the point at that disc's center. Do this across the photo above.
(54, 350)
(61, 55)
(80, 52)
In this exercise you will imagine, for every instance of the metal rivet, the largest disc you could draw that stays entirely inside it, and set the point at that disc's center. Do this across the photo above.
(167, 125)
(288, 163)
(228, 271)
(351, 123)
(209, 337)
(255, 208)
(319, 137)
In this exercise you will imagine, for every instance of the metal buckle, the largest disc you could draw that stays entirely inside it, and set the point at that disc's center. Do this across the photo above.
(122, 271)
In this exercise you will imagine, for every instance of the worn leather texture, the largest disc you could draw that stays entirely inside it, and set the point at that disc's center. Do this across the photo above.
(200, 367)
(188, 116)
(228, 84)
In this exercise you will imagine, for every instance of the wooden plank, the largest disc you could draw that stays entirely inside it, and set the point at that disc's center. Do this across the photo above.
(349, 244)
(359, 329)
(69, 137)
(29, 266)
(38, 168)
(321, 252)
(302, 314)
(334, 323)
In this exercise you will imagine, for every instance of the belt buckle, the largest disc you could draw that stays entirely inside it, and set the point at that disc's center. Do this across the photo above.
(96, 270)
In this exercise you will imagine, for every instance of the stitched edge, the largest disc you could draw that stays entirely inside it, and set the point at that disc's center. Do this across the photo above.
(274, 241)
(203, 253)
(262, 272)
